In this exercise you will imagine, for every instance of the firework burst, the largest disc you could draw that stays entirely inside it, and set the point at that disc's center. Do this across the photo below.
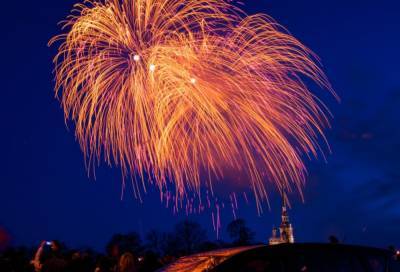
(174, 91)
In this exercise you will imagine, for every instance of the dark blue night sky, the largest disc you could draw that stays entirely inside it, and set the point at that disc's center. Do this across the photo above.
(45, 192)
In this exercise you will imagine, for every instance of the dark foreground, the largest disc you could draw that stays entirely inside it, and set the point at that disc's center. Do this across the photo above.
(50, 257)
(290, 257)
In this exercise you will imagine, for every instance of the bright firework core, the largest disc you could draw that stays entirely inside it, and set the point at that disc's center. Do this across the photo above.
(136, 58)
(208, 91)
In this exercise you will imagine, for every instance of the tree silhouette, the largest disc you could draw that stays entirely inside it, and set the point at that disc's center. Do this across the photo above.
(171, 246)
(155, 242)
(240, 233)
(130, 242)
(189, 237)
(333, 239)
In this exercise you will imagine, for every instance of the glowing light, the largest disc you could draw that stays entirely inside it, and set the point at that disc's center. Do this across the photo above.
(251, 113)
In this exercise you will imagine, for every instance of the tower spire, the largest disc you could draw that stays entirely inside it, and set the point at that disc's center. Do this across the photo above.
(285, 229)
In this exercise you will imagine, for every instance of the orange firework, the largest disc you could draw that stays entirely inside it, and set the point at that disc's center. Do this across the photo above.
(171, 89)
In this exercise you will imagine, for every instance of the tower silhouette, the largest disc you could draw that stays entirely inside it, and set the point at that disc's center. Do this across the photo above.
(285, 230)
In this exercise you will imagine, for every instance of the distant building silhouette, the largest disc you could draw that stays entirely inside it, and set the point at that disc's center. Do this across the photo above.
(285, 229)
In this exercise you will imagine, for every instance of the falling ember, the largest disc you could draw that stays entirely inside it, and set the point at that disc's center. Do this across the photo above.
(170, 89)
(245, 198)
(218, 223)
(235, 199)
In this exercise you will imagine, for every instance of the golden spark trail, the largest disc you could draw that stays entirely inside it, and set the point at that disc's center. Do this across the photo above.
(170, 89)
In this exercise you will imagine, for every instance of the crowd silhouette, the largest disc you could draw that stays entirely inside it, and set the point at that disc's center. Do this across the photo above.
(124, 252)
